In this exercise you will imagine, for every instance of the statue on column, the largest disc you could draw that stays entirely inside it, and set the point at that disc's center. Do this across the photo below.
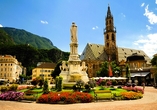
(73, 31)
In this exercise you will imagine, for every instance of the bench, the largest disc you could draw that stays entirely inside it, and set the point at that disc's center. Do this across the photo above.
(106, 93)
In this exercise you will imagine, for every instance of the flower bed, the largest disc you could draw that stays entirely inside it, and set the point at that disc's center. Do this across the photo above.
(136, 89)
(131, 95)
(65, 97)
(21, 87)
(11, 96)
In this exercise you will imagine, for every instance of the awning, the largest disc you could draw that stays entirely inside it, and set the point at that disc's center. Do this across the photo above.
(139, 74)
(110, 78)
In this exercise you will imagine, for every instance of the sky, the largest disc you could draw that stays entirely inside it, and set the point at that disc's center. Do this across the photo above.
(135, 21)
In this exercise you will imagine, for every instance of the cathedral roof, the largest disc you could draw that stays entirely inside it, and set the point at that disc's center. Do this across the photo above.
(96, 52)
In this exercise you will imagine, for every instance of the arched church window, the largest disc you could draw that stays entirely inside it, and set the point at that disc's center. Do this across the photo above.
(107, 44)
(110, 21)
(107, 37)
(113, 37)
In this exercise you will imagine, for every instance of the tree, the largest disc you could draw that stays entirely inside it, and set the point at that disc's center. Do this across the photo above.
(115, 69)
(105, 69)
(154, 63)
(127, 72)
(57, 70)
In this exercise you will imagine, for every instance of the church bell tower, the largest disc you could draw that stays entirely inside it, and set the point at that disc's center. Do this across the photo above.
(110, 37)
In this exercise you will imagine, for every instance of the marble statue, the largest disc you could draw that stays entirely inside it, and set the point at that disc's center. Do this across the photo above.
(73, 71)
(73, 31)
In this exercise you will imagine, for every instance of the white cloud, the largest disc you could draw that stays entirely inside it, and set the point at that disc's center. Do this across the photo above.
(152, 18)
(156, 1)
(147, 44)
(96, 27)
(44, 22)
(148, 27)
(142, 4)
(1, 25)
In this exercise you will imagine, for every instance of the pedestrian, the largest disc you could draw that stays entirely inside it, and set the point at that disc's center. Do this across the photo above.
(143, 85)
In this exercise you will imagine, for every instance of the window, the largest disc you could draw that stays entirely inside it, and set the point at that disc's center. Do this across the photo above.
(107, 37)
(107, 44)
(113, 37)
(110, 21)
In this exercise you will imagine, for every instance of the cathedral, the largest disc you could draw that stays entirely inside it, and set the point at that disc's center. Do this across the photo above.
(95, 54)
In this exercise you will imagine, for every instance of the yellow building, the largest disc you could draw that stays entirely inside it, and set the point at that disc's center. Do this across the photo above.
(10, 68)
(43, 70)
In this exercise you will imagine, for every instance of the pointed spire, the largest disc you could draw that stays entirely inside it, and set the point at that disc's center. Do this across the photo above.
(109, 11)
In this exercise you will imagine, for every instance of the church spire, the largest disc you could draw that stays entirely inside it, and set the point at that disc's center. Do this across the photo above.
(109, 12)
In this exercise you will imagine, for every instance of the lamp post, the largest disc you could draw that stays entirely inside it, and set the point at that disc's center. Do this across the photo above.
(116, 72)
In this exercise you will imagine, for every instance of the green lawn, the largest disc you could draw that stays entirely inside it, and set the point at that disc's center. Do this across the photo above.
(114, 91)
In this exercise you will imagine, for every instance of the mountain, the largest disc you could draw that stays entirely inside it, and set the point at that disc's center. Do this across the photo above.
(5, 38)
(20, 36)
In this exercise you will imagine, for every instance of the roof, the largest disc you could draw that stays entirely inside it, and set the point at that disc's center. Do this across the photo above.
(135, 57)
(96, 52)
(123, 53)
(47, 65)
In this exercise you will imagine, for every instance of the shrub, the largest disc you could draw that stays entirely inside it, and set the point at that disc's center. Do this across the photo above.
(60, 85)
(46, 88)
(34, 82)
(92, 83)
(56, 82)
(11, 95)
(101, 82)
(79, 85)
(4, 88)
(13, 87)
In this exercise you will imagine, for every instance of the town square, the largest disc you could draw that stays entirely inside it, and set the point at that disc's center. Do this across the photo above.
(35, 74)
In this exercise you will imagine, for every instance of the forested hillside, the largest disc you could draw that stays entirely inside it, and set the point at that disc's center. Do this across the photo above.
(20, 36)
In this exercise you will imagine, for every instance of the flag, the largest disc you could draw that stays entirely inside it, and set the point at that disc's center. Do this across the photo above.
(110, 71)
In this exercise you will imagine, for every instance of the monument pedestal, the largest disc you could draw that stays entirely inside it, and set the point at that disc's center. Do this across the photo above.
(73, 72)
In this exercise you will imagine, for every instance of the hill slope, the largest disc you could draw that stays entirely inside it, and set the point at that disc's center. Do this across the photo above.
(21, 36)
(5, 38)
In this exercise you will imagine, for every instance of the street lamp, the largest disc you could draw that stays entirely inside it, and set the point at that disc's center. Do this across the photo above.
(116, 72)
(140, 69)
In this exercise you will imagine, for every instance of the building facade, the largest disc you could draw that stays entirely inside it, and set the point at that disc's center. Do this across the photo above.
(43, 70)
(10, 68)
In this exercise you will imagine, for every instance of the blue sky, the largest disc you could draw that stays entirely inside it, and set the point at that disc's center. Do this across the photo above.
(135, 21)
